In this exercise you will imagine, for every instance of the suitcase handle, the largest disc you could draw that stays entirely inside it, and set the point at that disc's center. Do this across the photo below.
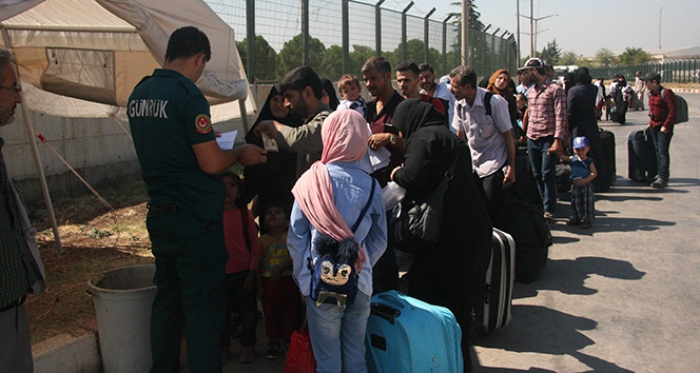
(384, 311)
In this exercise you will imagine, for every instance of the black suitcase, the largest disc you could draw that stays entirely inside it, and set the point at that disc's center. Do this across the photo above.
(641, 158)
(494, 312)
(525, 183)
(607, 141)
(526, 224)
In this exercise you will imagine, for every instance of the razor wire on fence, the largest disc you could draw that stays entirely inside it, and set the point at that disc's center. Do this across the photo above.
(342, 34)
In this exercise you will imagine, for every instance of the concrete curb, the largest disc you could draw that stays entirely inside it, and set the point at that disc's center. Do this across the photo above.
(69, 355)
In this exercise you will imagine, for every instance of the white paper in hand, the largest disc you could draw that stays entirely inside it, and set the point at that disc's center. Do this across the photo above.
(226, 140)
(379, 157)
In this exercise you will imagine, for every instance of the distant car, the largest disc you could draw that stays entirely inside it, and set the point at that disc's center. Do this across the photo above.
(561, 70)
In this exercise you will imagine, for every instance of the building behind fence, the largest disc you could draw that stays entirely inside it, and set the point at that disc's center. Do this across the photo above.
(335, 37)
(683, 71)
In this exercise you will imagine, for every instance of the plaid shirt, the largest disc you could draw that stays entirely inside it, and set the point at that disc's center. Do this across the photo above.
(546, 111)
(16, 274)
(662, 109)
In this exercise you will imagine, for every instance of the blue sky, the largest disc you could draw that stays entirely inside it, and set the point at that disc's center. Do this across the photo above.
(585, 26)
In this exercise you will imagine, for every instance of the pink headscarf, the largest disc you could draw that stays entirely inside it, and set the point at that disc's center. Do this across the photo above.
(344, 135)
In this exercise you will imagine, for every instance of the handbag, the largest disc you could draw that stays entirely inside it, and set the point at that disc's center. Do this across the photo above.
(300, 356)
(418, 225)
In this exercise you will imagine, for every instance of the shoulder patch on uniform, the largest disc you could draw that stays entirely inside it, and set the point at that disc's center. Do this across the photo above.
(203, 123)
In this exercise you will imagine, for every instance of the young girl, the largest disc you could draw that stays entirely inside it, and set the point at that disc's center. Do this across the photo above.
(277, 291)
(243, 245)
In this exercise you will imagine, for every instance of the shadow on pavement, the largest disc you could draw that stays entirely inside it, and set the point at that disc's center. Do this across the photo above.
(569, 276)
(545, 331)
(559, 240)
(604, 224)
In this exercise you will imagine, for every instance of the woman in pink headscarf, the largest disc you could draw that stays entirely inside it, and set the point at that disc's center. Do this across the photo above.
(332, 197)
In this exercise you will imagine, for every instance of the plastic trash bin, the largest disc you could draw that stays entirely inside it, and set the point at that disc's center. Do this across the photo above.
(123, 299)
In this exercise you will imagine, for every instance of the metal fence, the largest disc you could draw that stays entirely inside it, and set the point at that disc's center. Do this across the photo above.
(671, 71)
(336, 37)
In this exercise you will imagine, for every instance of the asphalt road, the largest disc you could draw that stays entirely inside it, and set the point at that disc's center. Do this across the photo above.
(621, 297)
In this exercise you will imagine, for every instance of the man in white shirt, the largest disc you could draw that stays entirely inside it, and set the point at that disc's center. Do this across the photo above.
(426, 77)
(640, 88)
(481, 118)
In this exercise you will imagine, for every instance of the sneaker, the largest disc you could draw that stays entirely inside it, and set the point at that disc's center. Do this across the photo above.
(659, 183)
(548, 215)
(247, 355)
(585, 224)
(273, 350)
(573, 221)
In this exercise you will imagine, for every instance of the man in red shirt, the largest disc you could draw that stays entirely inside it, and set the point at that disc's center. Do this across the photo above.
(380, 112)
(662, 110)
(407, 78)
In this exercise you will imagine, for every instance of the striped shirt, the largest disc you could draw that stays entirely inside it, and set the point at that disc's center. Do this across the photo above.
(546, 111)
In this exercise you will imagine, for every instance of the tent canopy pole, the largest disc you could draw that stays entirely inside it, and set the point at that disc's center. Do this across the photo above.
(37, 159)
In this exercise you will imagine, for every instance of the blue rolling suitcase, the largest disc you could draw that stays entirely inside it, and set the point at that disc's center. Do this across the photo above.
(407, 335)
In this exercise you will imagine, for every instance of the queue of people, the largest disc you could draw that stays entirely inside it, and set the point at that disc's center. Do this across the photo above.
(324, 246)
(314, 218)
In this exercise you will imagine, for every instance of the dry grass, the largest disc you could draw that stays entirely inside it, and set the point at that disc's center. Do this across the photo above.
(95, 239)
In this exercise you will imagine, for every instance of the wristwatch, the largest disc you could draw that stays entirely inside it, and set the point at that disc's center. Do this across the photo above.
(392, 139)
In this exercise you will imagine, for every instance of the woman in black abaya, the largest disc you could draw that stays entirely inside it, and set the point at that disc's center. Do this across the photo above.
(272, 181)
(445, 274)
(580, 103)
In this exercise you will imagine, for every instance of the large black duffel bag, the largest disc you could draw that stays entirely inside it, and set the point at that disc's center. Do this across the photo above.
(526, 224)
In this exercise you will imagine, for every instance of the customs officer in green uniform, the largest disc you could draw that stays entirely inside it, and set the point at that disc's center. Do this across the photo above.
(179, 157)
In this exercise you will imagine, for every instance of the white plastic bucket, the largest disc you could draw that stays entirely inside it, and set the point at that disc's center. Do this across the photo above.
(123, 299)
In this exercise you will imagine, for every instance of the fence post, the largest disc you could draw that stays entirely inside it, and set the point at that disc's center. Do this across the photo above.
(250, 34)
(404, 42)
(346, 37)
(444, 44)
(426, 34)
(304, 32)
(378, 27)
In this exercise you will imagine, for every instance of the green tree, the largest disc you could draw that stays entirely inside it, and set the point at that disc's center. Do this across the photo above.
(332, 65)
(265, 58)
(633, 56)
(415, 52)
(290, 56)
(568, 58)
(551, 52)
(605, 57)
(359, 55)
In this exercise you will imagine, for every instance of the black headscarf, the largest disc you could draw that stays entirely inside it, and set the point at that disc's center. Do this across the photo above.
(583, 76)
(569, 81)
(272, 181)
(266, 114)
(330, 90)
(413, 114)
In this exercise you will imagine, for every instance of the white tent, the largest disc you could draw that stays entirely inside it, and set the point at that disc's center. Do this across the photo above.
(82, 58)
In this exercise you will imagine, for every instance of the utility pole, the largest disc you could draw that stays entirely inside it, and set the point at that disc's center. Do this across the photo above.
(660, 11)
(465, 32)
(517, 21)
(532, 30)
